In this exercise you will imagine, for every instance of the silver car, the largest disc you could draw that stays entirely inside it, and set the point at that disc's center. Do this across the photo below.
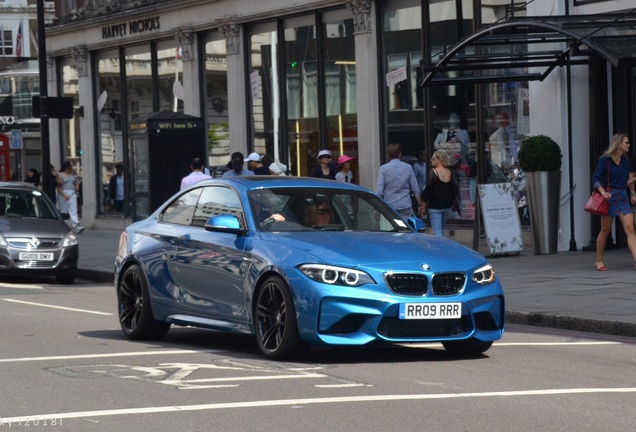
(34, 239)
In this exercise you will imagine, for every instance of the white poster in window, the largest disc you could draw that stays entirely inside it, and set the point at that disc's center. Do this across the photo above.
(501, 218)
(396, 76)
(255, 82)
(523, 112)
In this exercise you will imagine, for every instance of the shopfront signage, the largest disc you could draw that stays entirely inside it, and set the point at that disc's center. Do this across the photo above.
(131, 28)
(7, 120)
(501, 218)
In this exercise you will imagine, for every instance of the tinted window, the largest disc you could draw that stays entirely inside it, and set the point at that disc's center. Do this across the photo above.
(217, 200)
(181, 210)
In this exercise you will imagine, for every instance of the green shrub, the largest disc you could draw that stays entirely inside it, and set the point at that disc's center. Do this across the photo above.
(540, 153)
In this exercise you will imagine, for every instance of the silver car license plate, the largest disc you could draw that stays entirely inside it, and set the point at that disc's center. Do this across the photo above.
(36, 256)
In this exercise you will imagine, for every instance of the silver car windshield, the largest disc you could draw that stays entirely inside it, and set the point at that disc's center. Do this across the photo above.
(25, 203)
(310, 209)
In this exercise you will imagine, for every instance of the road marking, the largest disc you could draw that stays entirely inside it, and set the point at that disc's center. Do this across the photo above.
(92, 356)
(555, 343)
(20, 286)
(310, 401)
(504, 344)
(57, 307)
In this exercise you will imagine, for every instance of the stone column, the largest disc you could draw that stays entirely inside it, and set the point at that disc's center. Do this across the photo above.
(236, 88)
(56, 156)
(186, 39)
(90, 172)
(367, 81)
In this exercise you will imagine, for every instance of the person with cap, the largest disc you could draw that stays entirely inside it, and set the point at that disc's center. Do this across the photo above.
(325, 168)
(254, 164)
(277, 168)
(345, 175)
(344, 165)
(237, 166)
(196, 175)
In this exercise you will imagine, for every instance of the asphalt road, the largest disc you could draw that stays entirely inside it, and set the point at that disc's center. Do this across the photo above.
(65, 365)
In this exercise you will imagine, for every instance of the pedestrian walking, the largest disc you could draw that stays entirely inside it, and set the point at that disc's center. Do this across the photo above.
(396, 183)
(613, 174)
(68, 190)
(236, 165)
(196, 175)
(325, 168)
(440, 192)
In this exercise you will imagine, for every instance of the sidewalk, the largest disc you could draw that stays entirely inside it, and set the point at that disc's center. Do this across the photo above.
(561, 291)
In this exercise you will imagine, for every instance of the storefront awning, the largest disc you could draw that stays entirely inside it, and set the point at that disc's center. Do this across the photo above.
(529, 49)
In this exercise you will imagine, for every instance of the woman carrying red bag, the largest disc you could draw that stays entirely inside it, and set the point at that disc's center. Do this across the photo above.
(614, 166)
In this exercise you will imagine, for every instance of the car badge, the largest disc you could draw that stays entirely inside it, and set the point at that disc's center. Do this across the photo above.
(34, 243)
(425, 267)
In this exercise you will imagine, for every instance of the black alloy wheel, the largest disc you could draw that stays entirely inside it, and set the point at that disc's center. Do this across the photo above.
(275, 320)
(133, 305)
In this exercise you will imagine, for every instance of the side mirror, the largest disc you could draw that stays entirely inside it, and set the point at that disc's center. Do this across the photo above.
(224, 223)
(416, 223)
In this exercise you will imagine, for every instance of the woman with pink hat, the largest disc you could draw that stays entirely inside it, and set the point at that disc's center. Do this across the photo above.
(344, 166)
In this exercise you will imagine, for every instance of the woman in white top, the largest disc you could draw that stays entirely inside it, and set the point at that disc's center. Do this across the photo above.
(68, 191)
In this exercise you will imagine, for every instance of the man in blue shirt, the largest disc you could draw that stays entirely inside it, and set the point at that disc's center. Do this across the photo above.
(237, 166)
(396, 183)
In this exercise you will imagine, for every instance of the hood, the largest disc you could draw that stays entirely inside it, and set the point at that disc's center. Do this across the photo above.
(28, 227)
(354, 249)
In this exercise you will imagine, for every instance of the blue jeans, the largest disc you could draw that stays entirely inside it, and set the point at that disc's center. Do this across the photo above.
(438, 218)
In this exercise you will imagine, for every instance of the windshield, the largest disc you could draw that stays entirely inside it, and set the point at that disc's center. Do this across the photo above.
(25, 203)
(309, 209)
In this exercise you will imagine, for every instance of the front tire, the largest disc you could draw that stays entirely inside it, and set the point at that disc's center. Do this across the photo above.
(134, 308)
(467, 348)
(275, 320)
(66, 278)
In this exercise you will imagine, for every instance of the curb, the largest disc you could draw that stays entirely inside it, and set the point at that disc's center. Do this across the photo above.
(614, 328)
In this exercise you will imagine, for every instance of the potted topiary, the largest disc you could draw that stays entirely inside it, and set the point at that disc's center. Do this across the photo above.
(540, 158)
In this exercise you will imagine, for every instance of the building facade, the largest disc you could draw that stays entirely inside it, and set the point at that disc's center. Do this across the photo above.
(291, 79)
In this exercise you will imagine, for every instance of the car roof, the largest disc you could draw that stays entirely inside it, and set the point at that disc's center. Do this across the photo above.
(264, 181)
(17, 185)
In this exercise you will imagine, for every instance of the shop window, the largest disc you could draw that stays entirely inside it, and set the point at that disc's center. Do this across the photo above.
(216, 97)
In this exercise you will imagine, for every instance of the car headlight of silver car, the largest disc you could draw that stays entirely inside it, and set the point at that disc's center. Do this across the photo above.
(333, 275)
(484, 275)
(70, 239)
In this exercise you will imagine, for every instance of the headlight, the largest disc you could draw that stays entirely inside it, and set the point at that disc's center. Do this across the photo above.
(336, 275)
(70, 239)
(484, 275)
(3, 241)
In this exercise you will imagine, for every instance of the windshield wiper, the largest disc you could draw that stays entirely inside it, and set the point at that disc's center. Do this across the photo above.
(329, 227)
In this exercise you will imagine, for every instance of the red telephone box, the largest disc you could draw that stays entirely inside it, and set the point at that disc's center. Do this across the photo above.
(5, 159)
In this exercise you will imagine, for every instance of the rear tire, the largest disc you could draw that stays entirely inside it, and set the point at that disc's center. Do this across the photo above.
(467, 348)
(134, 308)
(275, 320)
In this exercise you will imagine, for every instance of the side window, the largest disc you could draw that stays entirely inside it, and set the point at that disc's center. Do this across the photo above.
(217, 200)
(181, 210)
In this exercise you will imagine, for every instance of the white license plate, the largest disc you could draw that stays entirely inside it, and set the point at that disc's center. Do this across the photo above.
(430, 310)
(36, 256)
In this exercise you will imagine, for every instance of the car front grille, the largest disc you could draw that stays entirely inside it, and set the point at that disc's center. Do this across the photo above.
(42, 243)
(407, 284)
(446, 284)
(395, 328)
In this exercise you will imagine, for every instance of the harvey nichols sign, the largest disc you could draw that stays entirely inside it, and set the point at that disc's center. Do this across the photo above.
(133, 27)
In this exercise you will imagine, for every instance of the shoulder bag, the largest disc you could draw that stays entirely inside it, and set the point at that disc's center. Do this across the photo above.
(596, 204)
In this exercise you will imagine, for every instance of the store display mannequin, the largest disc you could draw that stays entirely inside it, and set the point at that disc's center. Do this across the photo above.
(453, 138)
(500, 143)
